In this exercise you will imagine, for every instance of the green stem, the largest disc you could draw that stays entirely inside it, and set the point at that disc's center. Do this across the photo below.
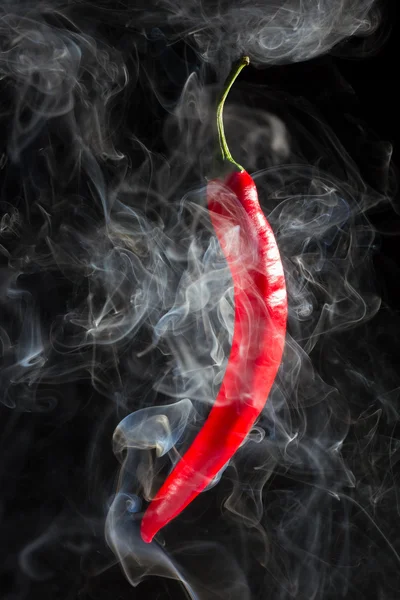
(226, 155)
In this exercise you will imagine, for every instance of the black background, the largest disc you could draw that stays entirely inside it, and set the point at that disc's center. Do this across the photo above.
(45, 457)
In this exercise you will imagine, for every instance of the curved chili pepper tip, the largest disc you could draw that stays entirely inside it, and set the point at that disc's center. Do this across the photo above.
(257, 344)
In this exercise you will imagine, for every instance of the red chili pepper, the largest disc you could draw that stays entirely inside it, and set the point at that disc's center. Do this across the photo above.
(258, 339)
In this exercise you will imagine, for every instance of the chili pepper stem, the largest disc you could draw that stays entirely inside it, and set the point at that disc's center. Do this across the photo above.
(226, 155)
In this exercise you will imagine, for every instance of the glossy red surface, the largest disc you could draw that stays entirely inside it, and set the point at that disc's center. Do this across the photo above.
(251, 251)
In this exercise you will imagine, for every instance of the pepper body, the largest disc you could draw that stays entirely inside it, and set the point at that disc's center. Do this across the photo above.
(260, 315)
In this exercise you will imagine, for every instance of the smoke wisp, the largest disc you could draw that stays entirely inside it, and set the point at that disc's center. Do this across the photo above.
(117, 308)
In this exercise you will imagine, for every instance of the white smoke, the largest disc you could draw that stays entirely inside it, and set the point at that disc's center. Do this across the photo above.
(113, 279)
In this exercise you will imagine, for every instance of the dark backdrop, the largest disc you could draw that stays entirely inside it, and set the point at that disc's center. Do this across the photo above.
(51, 515)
